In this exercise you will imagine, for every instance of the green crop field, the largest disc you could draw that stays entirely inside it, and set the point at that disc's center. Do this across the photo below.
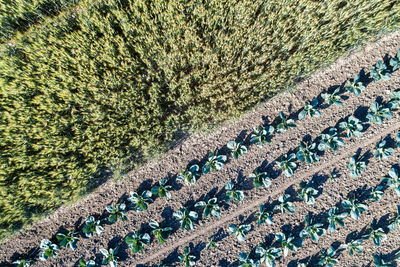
(106, 85)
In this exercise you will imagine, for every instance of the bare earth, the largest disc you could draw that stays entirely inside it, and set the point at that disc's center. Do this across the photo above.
(196, 147)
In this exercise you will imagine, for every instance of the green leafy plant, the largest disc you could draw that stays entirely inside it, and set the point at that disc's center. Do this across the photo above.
(268, 255)
(232, 193)
(161, 233)
(393, 181)
(162, 189)
(215, 162)
(211, 243)
(285, 205)
(377, 112)
(239, 231)
(68, 240)
(23, 262)
(305, 153)
(312, 230)
(310, 109)
(394, 102)
(186, 258)
(264, 216)
(327, 257)
(307, 192)
(246, 261)
(236, 148)
(49, 250)
(116, 211)
(380, 72)
(92, 226)
(395, 61)
(190, 176)
(398, 139)
(353, 246)
(211, 207)
(352, 126)
(356, 166)
(355, 86)
(262, 135)
(381, 151)
(140, 202)
(89, 263)
(260, 178)
(137, 240)
(380, 262)
(287, 164)
(288, 243)
(333, 176)
(354, 206)
(330, 140)
(284, 123)
(332, 98)
(376, 233)
(395, 221)
(110, 256)
(375, 193)
(335, 218)
(185, 217)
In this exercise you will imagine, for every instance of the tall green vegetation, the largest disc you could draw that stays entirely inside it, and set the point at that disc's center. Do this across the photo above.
(109, 84)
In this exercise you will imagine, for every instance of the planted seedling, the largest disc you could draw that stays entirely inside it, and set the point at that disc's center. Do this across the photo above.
(355, 86)
(393, 181)
(332, 98)
(262, 135)
(284, 123)
(312, 230)
(394, 100)
(353, 246)
(331, 140)
(354, 206)
(398, 139)
(161, 233)
(246, 261)
(211, 208)
(215, 162)
(310, 109)
(49, 250)
(395, 221)
(89, 263)
(380, 72)
(185, 217)
(287, 164)
(187, 258)
(110, 256)
(356, 167)
(23, 263)
(232, 193)
(305, 153)
(137, 240)
(162, 189)
(335, 218)
(377, 234)
(116, 211)
(140, 202)
(352, 126)
(288, 243)
(268, 255)
(68, 240)
(379, 262)
(239, 231)
(382, 151)
(285, 205)
(211, 243)
(236, 148)
(327, 257)
(92, 226)
(190, 176)
(260, 178)
(307, 192)
(376, 113)
(264, 216)
(376, 193)
(333, 176)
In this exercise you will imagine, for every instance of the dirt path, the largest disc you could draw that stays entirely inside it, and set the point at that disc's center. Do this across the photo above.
(197, 146)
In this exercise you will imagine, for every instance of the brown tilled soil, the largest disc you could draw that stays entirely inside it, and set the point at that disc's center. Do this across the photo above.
(194, 150)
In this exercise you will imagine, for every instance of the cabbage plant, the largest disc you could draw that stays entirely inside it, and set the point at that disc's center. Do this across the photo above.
(307, 192)
(354, 206)
(376, 233)
(284, 123)
(288, 243)
(110, 256)
(285, 205)
(162, 189)
(239, 231)
(262, 135)
(333, 176)
(116, 211)
(375, 193)
(398, 139)
(305, 153)
(395, 61)
(332, 98)
(161, 233)
(380, 262)
(382, 151)
(394, 102)
(312, 230)
(186, 218)
(393, 181)
(211, 243)
(92, 226)
(268, 255)
(211, 207)
(326, 257)
(190, 176)
(353, 246)
(137, 240)
(140, 202)
(49, 250)
(335, 218)
(237, 148)
(260, 178)
(246, 261)
(89, 263)
(23, 262)
(395, 221)
(380, 72)
(355, 86)
(330, 140)
(264, 216)
(215, 162)
(287, 164)
(352, 126)
(356, 166)
(232, 193)
(186, 258)
(68, 240)
(376, 113)
(310, 109)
